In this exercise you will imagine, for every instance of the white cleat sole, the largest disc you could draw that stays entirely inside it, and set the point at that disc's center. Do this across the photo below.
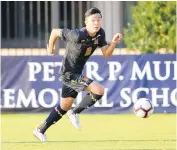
(74, 119)
(36, 133)
(77, 127)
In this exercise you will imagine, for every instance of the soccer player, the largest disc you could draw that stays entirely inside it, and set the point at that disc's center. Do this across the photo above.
(81, 43)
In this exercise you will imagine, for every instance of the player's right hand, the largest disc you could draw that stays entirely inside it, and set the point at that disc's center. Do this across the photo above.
(117, 37)
(50, 51)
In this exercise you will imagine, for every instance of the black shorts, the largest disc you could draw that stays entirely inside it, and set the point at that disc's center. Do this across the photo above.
(74, 83)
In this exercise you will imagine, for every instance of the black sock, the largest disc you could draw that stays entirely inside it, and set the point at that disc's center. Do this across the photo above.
(87, 101)
(53, 117)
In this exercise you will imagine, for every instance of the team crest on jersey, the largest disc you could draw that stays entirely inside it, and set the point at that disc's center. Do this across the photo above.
(88, 51)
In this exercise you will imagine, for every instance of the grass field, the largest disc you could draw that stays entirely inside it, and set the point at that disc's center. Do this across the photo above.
(99, 132)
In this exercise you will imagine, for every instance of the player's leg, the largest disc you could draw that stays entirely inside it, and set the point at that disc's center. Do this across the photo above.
(56, 114)
(96, 91)
(68, 96)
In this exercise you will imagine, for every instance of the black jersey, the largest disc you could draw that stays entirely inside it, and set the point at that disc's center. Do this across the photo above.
(79, 48)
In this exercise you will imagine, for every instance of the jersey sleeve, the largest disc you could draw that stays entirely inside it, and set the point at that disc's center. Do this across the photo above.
(102, 41)
(69, 35)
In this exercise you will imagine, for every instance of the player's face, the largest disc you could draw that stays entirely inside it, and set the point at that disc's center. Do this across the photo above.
(93, 23)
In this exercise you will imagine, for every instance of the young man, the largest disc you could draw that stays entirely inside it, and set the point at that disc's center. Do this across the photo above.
(81, 43)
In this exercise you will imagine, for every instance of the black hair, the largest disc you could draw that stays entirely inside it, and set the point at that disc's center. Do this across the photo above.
(92, 11)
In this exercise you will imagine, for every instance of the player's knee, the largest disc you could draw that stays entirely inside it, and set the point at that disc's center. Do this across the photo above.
(95, 97)
(97, 88)
(100, 90)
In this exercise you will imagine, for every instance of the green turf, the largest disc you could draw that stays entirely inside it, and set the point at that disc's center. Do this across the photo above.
(99, 132)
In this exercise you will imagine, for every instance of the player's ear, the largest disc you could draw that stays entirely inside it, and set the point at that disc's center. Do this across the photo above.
(86, 21)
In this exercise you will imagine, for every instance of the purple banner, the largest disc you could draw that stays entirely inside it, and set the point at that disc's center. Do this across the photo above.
(31, 84)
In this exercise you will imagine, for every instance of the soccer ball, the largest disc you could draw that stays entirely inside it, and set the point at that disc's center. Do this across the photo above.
(143, 108)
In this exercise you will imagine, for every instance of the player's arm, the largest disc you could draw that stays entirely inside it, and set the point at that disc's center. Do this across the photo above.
(108, 50)
(65, 34)
(56, 33)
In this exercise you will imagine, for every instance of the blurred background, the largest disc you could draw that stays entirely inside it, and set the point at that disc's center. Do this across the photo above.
(148, 27)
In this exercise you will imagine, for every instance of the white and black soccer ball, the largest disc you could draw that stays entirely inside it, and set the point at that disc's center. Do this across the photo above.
(143, 108)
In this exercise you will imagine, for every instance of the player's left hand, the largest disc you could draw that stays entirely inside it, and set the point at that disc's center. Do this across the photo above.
(117, 37)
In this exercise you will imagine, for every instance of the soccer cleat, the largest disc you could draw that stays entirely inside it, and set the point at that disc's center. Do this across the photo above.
(74, 119)
(39, 135)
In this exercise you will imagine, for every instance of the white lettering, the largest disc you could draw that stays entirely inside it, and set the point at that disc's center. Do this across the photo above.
(26, 101)
(157, 70)
(9, 98)
(34, 68)
(138, 74)
(174, 97)
(48, 70)
(91, 71)
(53, 101)
(163, 96)
(114, 68)
(136, 92)
(125, 94)
(175, 70)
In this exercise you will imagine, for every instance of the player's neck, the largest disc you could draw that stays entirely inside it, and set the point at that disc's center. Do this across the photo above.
(90, 34)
